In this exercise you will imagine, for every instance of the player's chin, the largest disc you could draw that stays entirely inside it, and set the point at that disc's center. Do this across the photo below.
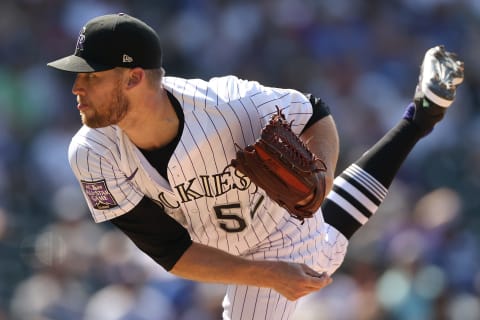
(92, 122)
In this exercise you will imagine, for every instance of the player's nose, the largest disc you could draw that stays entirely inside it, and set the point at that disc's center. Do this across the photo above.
(77, 87)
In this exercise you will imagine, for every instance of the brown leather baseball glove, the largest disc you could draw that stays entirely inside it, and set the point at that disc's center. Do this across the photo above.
(282, 165)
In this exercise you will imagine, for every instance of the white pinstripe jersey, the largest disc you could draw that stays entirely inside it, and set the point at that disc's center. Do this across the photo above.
(218, 206)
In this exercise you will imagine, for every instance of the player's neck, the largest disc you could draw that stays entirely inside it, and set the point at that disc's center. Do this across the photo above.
(152, 122)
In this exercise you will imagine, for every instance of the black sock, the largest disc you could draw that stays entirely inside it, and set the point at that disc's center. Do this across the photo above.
(360, 189)
(384, 159)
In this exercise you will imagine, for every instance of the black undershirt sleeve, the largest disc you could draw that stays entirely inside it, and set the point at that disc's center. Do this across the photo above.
(154, 232)
(320, 110)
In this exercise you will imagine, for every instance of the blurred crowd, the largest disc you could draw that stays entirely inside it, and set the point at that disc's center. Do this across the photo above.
(418, 258)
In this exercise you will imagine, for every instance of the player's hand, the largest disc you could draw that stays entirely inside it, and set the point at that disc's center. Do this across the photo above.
(294, 280)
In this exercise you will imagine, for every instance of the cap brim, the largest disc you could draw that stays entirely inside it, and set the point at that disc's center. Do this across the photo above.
(77, 64)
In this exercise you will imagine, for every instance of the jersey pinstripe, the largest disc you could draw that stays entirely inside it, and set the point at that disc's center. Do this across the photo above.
(218, 206)
(357, 195)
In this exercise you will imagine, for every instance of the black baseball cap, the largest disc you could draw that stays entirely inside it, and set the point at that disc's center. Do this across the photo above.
(114, 40)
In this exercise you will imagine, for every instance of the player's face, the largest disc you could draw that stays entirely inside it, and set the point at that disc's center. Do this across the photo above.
(100, 98)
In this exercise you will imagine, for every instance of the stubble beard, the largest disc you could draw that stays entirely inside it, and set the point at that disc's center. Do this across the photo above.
(108, 114)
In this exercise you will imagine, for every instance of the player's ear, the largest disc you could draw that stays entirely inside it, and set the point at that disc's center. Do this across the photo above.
(135, 76)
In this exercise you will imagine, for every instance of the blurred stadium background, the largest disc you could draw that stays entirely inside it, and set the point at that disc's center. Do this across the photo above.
(417, 259)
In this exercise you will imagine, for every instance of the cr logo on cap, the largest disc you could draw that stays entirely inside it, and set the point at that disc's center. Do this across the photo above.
(80, 40)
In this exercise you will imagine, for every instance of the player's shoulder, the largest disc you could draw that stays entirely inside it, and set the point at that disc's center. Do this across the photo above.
(100, 141)
(178, 82)
(216, 89)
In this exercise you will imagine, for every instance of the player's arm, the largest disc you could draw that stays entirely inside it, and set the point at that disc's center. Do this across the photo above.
(321, 136)
(207, 264)
(169, 244)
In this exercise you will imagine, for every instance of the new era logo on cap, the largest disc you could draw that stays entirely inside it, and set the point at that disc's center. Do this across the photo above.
(127, 58)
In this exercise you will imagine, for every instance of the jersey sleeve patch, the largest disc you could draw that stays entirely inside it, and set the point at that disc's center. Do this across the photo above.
(98, 194)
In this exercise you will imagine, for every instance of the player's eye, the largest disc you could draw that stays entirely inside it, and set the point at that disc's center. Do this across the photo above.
(86, 76)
